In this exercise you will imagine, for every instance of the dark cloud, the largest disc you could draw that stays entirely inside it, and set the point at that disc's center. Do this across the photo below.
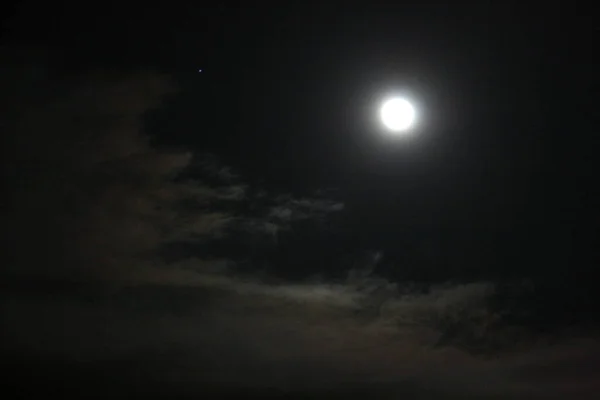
(91, 193)
(233, 334)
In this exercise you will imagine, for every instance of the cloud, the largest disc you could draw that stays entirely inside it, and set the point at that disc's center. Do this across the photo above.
(281, 213)
(212, 166)
(88, 192)
(99, 197)
(288, 209)
(305, 338)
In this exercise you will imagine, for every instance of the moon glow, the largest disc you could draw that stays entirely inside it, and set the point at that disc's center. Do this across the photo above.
(397, 114)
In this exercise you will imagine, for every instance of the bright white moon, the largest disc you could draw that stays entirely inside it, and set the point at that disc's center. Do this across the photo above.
(397, 114)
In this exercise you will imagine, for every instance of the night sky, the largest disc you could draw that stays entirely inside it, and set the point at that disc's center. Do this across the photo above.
(498, 180)
(504, 152)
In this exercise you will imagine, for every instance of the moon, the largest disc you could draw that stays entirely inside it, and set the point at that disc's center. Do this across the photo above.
(397, 114)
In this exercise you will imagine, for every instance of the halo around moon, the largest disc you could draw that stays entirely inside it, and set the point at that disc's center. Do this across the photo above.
(397, 114)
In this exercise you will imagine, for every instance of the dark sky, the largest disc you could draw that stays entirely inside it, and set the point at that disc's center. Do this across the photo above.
(505, 157)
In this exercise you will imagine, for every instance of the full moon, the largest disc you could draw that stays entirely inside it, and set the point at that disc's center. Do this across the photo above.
(397, 114)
